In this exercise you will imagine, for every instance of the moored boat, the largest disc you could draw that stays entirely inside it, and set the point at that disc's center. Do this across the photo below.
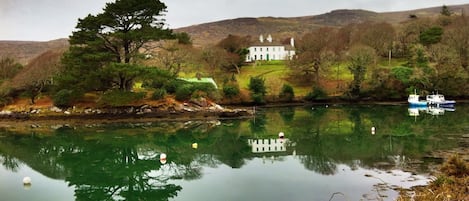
(414, 101)
(439, 100)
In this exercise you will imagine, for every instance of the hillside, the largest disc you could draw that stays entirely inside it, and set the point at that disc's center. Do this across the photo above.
(209, 33)
(24, 51)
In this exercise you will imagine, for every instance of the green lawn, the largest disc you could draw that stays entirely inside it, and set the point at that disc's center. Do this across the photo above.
(275, 74)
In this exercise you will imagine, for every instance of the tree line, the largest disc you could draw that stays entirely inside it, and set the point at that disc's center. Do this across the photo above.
(128, 43)
(431, 54)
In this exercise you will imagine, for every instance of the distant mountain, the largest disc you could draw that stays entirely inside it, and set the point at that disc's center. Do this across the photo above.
(280, 28)
(24, 51)
(209, 33)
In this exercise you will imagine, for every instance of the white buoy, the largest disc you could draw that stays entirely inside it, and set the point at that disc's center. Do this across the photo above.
(281, 135)
(163, 158)
(373, 130)
(26, 181)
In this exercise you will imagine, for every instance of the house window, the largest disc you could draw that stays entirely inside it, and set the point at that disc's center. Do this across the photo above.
(254, 49)
(260, 49)
(267, 49)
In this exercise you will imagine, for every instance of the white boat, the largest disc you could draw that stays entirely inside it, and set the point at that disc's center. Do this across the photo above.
(439, 100)
(435, 111)
(414, 101)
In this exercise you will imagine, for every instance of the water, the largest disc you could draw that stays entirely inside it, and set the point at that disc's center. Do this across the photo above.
(328, 153)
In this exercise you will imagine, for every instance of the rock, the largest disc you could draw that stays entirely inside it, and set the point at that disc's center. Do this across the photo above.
(6, 112)
(55, 109)
(178, 107)
(202, 102)
(465, 136)
(218, 107)
(67, 112)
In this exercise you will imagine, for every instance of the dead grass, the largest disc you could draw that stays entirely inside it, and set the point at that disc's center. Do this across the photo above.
(451, 185)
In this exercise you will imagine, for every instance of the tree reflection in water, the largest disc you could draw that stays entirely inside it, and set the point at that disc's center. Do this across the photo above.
(122, 162)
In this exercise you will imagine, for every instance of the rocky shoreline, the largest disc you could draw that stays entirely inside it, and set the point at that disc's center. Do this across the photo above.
(172, 112)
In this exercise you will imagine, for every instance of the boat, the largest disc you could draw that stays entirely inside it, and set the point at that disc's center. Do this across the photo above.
(439, 100)
(414, 101)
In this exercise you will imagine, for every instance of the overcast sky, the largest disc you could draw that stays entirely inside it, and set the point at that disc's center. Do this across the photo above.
(42, 20)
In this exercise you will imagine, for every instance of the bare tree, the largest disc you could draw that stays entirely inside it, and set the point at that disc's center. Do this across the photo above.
(315, 51)
(38, 74)
(8, 68)
(457, 37)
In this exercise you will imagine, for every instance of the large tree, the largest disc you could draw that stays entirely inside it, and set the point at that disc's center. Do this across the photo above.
(457, 37)
(236, 46)
(315, 52)
(114, 36)
(8, 68)
(379, 36)
(360, 58)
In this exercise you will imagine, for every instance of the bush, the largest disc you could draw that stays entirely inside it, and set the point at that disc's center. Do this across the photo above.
(287, 92)
(172, 86)
(116, 98)
(258, 89)
(258, 98)
(257, 85)
(63, 98)
(159, 94)
(231, 90)
(184, 92)
(317, 94)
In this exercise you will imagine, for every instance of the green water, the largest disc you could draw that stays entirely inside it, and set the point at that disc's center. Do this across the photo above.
(327, 152)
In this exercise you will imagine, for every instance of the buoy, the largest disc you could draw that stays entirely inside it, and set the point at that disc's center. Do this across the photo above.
(373, 130)
(194, 145)
(281, 135)
(26, 181)
(163, 158)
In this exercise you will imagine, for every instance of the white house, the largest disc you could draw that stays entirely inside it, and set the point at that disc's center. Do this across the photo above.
(267, 50)
(267, 145)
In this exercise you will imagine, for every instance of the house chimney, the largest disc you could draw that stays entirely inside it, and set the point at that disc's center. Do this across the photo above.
(261, 38)
(292, 42)
(269, 38)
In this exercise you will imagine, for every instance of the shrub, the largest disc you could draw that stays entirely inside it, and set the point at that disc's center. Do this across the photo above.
(317, 94)
(258, 89)
(117, 98)
(231, 90)
(159, 94)
(257, 85)
(172, 86)
(287, 92)
(258, 98)
(184, 92)
(63, 98)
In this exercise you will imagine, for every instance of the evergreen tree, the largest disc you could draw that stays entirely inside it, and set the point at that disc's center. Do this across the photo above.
(114, 36)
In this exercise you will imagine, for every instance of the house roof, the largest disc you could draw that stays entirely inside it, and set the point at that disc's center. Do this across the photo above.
(264, 44)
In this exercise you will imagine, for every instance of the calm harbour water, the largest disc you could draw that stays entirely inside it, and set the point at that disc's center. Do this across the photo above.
(327, 152)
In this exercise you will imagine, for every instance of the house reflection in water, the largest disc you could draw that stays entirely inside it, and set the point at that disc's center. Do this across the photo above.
(267, 145)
